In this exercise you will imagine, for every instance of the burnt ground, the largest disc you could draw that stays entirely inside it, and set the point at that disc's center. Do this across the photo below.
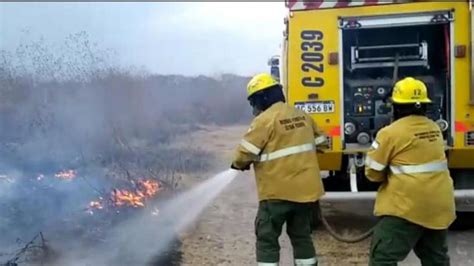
(170, 257)
(224, 233)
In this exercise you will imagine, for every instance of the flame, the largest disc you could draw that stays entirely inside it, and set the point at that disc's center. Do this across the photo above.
(95, 205)
(66, 175)
(145, 189)
(122, 197)
(149, 187)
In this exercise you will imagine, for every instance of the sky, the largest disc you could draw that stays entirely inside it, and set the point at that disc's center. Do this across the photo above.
(189, 38)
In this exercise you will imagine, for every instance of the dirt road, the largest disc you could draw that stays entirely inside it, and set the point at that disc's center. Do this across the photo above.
(224, 234)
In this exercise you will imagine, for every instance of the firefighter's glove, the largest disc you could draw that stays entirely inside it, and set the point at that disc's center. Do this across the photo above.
(320, 150)
(232, 166)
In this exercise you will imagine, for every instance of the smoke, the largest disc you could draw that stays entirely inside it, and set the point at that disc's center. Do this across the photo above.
(141, 240)
(70, 107)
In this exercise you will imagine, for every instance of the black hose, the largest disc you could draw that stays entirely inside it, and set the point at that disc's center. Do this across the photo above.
(338, 237)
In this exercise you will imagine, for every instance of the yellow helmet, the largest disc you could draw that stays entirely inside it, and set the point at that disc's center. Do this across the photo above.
(260, 82)
(410, 90)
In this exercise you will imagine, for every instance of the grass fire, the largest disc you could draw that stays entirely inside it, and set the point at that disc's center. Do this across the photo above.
(146, 189)
(97, 148)
(93, 149)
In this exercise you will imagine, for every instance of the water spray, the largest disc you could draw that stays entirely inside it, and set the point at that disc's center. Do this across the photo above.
(187, 206)
(144, 239)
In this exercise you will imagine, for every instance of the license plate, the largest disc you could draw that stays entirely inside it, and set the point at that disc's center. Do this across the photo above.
(319, 107)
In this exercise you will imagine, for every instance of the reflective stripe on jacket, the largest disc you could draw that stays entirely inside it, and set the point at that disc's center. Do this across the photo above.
(408, 157)
(282, 143)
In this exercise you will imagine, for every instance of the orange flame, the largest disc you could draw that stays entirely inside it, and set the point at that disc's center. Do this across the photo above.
(145, 189)
(66, 175)
(127, 198)
(149, 187)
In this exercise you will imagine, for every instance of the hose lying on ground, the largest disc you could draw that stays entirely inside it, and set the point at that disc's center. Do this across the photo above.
(338, 237)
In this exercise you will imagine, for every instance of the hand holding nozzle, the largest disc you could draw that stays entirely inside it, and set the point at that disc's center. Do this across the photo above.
(247, 167)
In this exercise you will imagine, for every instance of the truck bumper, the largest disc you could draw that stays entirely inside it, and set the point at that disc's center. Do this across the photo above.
(464, 198)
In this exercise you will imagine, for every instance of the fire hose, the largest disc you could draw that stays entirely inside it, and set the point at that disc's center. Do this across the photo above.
(337, 236)
(328, 227)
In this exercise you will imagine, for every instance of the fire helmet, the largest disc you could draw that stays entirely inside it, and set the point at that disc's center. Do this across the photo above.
(410, 91)
(260, 82)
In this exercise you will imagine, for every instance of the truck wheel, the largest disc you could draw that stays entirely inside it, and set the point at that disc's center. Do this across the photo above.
(464, 221)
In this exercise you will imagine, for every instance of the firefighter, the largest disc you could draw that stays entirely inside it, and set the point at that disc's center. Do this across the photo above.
(281, 143)
(415, 201)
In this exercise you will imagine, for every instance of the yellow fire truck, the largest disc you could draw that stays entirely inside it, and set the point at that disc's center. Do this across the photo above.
(340, 60)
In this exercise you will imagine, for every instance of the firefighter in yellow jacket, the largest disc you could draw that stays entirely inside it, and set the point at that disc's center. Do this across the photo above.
(281, 144)
(416, 197)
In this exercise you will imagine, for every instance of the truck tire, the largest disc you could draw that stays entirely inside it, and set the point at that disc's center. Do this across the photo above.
(464, 221)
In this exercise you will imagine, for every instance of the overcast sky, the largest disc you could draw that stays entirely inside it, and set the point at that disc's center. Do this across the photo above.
(178, 38)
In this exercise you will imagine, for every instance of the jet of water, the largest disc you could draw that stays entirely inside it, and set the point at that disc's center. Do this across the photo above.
(186, 207)
(142, 239)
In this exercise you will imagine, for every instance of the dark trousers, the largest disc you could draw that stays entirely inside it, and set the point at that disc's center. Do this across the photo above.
(394, 238)
(271, 216)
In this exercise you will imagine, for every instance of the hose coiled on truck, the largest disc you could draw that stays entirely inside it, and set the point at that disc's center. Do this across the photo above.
(338, 237)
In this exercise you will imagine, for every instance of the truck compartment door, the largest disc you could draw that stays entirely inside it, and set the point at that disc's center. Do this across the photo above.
(471, 95)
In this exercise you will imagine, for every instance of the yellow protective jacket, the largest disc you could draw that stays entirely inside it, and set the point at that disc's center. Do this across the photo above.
(281, 143)
(408, 157)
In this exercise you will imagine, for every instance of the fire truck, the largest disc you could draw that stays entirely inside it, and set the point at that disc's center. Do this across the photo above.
(339, 61)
